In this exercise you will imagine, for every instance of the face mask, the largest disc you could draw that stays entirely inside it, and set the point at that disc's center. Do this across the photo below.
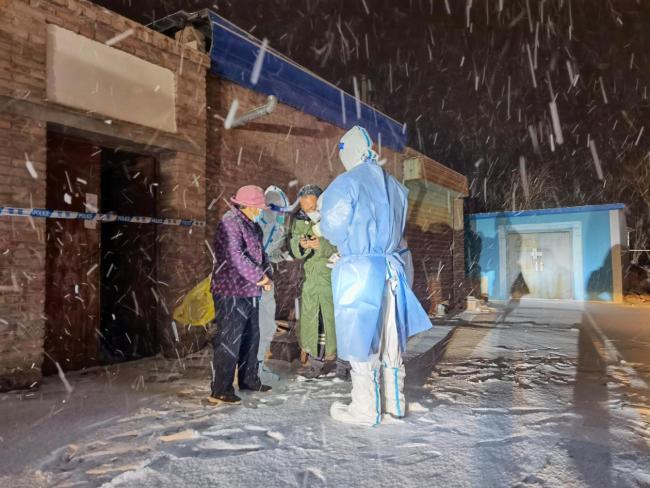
(255, 215)
(314, 216)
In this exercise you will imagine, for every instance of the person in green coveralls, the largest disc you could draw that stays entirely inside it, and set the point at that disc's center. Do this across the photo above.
(317, 330)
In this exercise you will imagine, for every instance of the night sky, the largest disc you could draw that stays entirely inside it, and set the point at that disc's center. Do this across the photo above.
(474, 81)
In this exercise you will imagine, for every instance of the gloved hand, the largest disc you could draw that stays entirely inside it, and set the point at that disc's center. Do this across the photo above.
(334, 258)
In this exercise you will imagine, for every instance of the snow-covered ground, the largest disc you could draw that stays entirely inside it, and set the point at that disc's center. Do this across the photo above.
(526, 403)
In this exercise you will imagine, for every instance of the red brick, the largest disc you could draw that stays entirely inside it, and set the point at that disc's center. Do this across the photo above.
(268, 156)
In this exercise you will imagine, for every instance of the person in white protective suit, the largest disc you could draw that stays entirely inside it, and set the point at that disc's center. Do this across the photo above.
(274, 232)
(363, 213)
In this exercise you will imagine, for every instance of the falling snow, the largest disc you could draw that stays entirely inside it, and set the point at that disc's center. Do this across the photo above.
(540, 104)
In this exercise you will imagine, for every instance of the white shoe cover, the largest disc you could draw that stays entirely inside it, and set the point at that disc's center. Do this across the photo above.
(344, 413)
(365, 407)
(266, 375)
(393, 393)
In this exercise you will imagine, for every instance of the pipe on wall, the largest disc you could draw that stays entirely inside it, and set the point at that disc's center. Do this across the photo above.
(266, 109)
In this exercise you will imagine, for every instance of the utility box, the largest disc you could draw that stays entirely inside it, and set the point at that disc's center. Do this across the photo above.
(413, 169)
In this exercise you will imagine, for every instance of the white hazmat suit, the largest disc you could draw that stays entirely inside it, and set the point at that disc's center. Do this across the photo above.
(274, 234)
(364, 215)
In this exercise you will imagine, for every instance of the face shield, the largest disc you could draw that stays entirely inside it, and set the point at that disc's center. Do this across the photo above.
(278, 204)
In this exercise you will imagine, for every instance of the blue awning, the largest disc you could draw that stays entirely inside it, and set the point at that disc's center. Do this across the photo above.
(233, 55)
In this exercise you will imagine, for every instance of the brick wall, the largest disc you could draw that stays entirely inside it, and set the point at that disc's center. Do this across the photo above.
(287, 148)
(429, 234)
(22, 252)
(182, 253)
(290, 149)
(435, 233)
(23, 124)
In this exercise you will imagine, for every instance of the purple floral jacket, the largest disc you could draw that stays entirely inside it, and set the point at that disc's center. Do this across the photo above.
(240, 260)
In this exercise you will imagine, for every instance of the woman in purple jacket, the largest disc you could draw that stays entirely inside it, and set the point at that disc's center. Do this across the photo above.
(240, 273)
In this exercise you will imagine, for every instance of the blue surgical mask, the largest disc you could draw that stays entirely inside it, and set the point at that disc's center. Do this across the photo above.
(257, 219)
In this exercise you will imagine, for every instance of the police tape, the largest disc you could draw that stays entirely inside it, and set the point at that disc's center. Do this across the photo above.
(44, 213)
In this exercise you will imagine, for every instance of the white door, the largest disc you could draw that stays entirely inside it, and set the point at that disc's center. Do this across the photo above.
(540, 264)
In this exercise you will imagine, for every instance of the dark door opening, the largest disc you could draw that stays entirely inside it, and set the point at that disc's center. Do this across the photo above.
(100, 301)
(128, 258)
(72, 301)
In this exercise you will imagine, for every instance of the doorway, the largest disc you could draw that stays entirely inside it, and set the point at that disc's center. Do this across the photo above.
(544, 260)
(128, 261)
(100, 301)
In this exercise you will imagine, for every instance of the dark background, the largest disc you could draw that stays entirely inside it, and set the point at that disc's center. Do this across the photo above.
(449, 82)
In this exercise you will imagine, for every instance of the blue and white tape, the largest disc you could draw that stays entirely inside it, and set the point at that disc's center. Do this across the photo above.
(44, 213)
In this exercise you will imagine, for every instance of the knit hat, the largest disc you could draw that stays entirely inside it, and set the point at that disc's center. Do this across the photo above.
(250, 196)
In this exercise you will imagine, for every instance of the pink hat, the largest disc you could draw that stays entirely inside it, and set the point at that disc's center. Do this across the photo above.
(250, 196)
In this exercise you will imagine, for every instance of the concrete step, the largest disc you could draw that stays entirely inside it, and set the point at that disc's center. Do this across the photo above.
(425, 349)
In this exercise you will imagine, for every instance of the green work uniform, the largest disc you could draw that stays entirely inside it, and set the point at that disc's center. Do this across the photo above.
(316, 290)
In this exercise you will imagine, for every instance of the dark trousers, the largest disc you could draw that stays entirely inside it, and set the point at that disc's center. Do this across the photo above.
(235, 343)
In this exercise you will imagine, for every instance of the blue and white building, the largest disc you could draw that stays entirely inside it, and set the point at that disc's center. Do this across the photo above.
(569, 253)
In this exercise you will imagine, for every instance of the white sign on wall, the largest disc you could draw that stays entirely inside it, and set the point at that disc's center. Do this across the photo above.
(91, 76)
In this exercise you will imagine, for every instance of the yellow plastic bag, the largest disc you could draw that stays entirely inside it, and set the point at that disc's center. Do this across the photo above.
(197, 308)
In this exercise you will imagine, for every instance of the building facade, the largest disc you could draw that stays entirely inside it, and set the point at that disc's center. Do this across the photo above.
(572, 253)
(99, 114)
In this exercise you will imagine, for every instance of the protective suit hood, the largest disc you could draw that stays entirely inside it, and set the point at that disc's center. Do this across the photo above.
(272, 222)
(355, 147)
(276, 197)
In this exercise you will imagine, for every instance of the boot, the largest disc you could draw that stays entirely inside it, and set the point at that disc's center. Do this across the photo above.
(313, 370)
(393, 382)
(343, 370)
(266, 373)
(365, 408)
(226, 399)
(329, 357)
